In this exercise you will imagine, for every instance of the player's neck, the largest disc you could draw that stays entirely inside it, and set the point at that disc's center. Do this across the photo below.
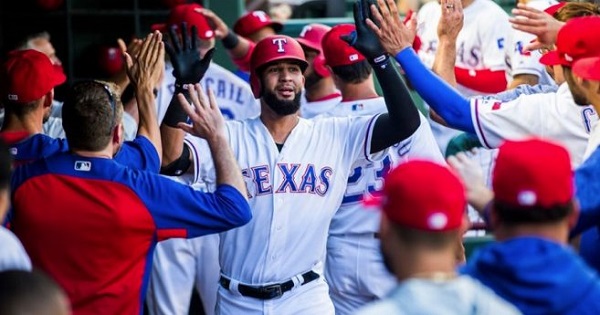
(32, 123)
(358, 91)
(106, 153)
(279, 127)
(435, 265)
(320, 90)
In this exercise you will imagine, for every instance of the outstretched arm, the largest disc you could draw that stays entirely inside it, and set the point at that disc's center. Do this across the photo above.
(208, 123)
(188, 69)
(402, 119)
(396, 39)
(144, 71)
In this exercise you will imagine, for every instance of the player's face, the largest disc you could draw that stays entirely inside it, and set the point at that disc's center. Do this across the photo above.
(311, 76)
(282, 86)
(577, 91)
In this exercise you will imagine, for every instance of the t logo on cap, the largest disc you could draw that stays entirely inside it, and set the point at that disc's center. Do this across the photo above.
(261, 15)
(279, 42)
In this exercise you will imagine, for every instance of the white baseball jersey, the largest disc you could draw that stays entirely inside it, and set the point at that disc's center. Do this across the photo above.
(351, 218)
(318, 107)
(233, 94)
(293, 193)
(354, 265)
(553, 116)
(12, 255)
(480, 43)
(519, 61)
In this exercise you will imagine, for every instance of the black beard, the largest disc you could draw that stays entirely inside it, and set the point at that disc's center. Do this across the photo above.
(282, 107)
(311, 80)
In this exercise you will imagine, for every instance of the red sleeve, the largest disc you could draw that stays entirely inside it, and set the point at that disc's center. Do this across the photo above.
(243, 63)
(485, 81)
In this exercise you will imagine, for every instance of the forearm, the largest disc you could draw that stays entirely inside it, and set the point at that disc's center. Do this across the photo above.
(238, 48)
(484, 81)
(172, 144)
(148, 122)
(227, 170)
(445, 59)
(402, 119)
(445, 100)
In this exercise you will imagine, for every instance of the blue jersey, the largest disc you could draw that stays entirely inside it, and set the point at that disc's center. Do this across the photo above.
(138, 154)
(92, 224)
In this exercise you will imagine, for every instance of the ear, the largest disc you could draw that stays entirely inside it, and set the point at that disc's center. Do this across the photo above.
(574, 216)
(118, 134)
(49, 97)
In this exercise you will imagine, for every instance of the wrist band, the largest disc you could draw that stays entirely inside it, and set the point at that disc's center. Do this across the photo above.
(230, 41)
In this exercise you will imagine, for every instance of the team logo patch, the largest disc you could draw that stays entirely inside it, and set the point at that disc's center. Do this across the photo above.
(83, 166)
(496, 105)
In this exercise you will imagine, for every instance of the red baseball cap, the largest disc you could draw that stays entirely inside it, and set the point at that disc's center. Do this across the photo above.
(424, 195)
(554, 8)
(587, 68)
(253, 21)
(27, 75)
(577, 39)
(312, 35)
(532, 172)
(336, 51)
(187, 13)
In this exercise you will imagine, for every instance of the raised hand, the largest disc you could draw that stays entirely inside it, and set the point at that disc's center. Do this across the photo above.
(538, 23)
(471, 174)
(363, 38)
(390, 31)
(188, 67)
(452, 19)
(216, 23)
(145, 63)
(206, 117)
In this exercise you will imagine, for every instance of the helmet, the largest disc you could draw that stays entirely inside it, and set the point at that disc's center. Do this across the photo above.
(311, 37)
(270, 49)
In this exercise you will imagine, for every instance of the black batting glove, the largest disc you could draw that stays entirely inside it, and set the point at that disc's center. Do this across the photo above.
(188, 68)
(363, 39)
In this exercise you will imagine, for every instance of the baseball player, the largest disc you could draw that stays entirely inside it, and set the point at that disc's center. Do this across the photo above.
(101, 220)
(291, 166)
(354, 267)
(29, 81)
(480, 65)
(523, 66)
(556, 116)
(320, 93)
(180, 265)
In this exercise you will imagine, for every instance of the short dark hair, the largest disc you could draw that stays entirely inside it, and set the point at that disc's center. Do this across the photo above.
(512, 215)
(25, 292)
(354, 73)
(20, 109)
(90, 112)
(431, 240)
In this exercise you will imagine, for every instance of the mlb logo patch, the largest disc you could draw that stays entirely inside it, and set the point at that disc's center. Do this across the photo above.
(83, 166)
(356, 107)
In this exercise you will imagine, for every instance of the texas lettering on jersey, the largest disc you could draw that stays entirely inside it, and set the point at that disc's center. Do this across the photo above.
(297, 178)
